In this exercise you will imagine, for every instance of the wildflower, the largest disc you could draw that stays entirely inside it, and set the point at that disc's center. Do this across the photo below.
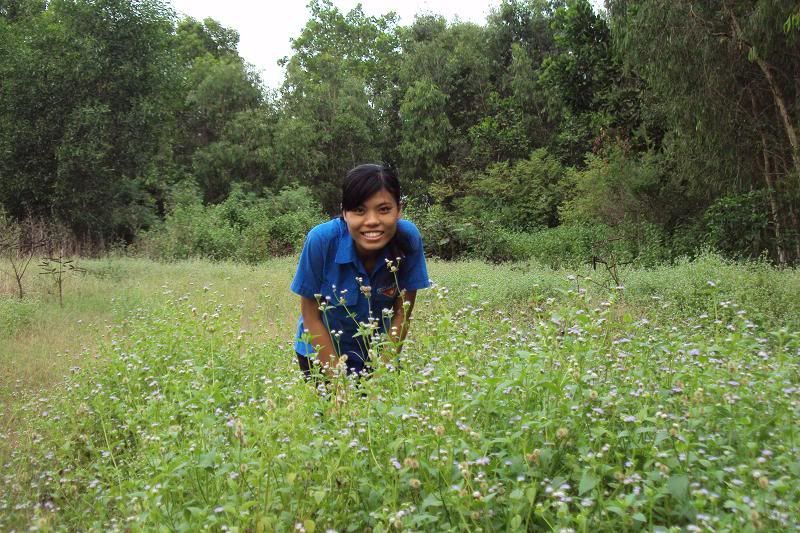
(533, 457)
(755, 518)
(414, 483)
(239, 431)
(439, 430)
(411, 463)
(562, 433)
(763, 482)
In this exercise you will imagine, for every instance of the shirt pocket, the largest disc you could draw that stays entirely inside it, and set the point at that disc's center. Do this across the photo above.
(383, 299)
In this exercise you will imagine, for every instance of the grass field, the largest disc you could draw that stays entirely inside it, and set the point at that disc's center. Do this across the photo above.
(166, 397)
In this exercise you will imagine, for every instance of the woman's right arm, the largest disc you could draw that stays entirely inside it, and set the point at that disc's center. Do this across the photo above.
(320, 336)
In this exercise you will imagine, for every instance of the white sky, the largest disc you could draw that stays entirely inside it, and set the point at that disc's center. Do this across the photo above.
(265, 27)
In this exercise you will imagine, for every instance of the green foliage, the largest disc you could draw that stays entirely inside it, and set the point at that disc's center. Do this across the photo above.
(638, 130)
(500, 136)
(81, 129)
(584, 244)
(614, 188)
(333, 112)
(243, 227)
(737, 224)
(567, 406)
(448, 235)
(15, 315)
(792, 22)
(426, 129)
(523, 196)
(729, 130)
(196, 39)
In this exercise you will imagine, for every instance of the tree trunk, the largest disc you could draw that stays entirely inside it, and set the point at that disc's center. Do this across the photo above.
(775, 89)
(773, 204)
(771, 192)
(794, 222)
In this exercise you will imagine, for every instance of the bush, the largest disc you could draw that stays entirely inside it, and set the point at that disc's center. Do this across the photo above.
(523, 196)
(615, 188)
(244, 227)
(737, 224)
(283, 234)
(448, 235)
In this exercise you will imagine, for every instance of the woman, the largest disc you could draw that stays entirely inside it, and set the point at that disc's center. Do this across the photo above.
(358, 275)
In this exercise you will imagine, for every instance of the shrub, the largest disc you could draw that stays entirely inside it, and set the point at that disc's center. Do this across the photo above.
(243, 227)
(448, 235)
(523, 196)
(737, 224)
(613, 189)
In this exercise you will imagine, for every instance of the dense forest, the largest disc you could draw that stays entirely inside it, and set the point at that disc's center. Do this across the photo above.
(647, 131)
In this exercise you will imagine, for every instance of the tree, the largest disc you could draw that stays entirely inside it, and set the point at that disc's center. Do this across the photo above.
(523, 196)
(85, 113)
(426, 130)
(724, 75)
(336, 101)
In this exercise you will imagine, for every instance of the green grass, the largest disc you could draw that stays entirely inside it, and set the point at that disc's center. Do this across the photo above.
(526, 398)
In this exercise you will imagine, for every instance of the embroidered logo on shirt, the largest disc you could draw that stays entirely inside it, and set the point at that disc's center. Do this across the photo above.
(390, 291)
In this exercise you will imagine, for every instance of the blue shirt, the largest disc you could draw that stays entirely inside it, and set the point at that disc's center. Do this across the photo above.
(329, 266)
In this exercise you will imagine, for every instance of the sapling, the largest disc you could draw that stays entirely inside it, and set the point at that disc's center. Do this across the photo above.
(603, 254)
(20, 251)
(56, 267)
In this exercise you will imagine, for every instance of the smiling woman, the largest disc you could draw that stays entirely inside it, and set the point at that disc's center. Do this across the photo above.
(358, 275)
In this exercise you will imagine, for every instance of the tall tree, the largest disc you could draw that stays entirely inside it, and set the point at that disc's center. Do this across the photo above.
(220, 95)
(85, 112)
(724, 74)
(336, 97)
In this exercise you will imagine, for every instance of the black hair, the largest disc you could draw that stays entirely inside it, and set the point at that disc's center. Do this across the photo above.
(364, 181)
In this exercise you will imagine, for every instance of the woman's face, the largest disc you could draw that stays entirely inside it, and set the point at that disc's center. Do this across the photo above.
(373, 223)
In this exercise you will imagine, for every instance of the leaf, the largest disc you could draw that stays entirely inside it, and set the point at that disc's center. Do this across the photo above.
(516, 494)
(616, 510)
(207, 460)
(516, 522)
(587, 483)
(678, 486)
(430, 501)
(309, 525)
(639, 517)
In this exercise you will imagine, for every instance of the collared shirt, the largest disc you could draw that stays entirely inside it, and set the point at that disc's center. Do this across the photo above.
(329, 266)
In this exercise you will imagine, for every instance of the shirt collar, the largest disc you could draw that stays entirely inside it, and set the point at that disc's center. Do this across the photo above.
(346, 251)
